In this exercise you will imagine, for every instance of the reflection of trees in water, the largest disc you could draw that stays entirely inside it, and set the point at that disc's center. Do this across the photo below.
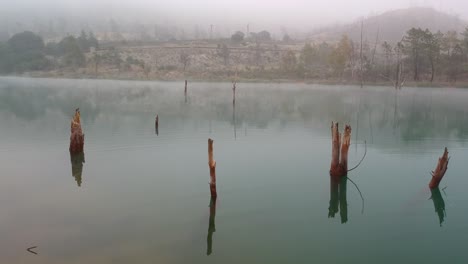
(31, 103)
(408, 115)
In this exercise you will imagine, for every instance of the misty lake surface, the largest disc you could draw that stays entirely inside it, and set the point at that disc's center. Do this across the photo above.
(141, 197)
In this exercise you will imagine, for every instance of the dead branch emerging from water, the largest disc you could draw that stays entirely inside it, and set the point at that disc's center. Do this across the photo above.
(212, 166)
(365, 152)
(440, 170)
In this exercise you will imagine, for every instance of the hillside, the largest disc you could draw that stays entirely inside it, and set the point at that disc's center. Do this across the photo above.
(392, 25)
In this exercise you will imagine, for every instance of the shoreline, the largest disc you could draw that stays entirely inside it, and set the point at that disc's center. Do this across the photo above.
(49, 75)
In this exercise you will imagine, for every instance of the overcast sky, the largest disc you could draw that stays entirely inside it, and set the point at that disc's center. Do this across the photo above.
(232, 12)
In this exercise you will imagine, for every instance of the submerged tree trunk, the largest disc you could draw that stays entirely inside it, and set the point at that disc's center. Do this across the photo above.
(212, 166)
(233, 92)
(77, 136)
(440, 170)
(340, 147)
(156, 125)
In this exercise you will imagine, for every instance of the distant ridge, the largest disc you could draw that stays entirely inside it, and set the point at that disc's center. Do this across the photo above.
(392, 25)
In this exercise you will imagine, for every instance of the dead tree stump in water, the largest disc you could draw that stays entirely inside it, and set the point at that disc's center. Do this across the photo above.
(156, 125)
(340, 147)
(233, 92)
(77, 136)
(440, 170)
(212, 166)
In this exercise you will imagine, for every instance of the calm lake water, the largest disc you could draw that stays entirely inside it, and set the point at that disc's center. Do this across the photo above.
(142, 197)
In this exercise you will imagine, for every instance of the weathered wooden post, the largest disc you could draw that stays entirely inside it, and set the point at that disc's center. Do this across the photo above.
(156, 124)
(77, 136)
(339, 167)
(440, 170)
(211, 226)
(212, 165)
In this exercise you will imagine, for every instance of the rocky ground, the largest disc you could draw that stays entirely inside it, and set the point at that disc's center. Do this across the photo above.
(181, 60)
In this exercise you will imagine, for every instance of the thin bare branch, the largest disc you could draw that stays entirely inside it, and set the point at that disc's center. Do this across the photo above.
(365, 152)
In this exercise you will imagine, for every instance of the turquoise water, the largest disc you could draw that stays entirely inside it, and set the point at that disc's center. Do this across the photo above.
(142, 197)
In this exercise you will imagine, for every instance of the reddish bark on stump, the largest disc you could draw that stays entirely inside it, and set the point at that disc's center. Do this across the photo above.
(440, 170)
(340, 147)
(212, 166)
(77, 136)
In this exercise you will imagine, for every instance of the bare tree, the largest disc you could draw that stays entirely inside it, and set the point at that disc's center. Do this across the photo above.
(184, 59)
(360, 57)
(399, 76)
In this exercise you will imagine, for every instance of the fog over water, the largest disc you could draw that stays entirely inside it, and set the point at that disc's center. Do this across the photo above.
(226, 15)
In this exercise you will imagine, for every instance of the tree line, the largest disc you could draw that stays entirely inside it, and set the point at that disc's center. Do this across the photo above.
(420, 56)
(27, 51)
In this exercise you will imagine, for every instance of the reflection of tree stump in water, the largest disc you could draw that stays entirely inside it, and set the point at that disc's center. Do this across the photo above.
(77, 136)
(77, 161)
(440, 170)
(185, 91)
(338, 201)
(340, 147)
(439, 204)
(343, 200)
(211, 226)
(212, 165)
